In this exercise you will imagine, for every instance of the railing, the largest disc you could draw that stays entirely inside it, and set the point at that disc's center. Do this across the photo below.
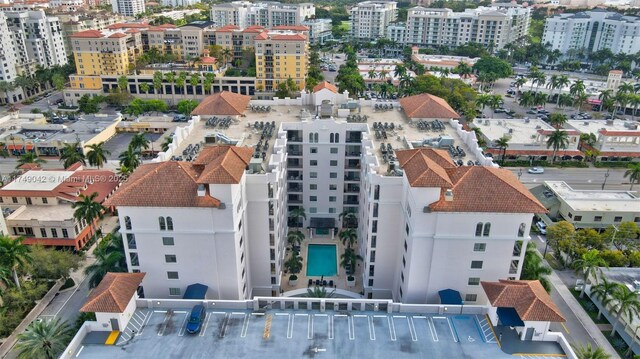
(351, 178)
(352, 154)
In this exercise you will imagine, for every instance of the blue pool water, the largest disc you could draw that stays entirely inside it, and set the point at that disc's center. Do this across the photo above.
(321, 260)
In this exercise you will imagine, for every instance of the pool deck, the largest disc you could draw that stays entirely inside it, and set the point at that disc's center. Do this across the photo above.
(331, 268)
(339, 280)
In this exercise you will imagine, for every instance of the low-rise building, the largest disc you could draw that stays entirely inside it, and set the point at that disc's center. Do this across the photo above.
(440, 61)
(377, 71)
(617, 140)
(38, 204)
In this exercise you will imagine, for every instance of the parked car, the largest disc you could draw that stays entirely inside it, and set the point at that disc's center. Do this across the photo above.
(536, 170)
(59, 101)
(532, 112)
(542, 227)
(195, 319)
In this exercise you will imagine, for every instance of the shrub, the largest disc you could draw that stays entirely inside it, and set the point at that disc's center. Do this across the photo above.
(68, 284)
(614, 258)
(634, 258)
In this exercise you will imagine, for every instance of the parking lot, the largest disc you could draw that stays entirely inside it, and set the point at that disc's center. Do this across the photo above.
(119, 143)
(158, 333)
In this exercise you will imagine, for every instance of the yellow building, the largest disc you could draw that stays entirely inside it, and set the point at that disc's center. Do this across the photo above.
(103, 53)
(279, 56)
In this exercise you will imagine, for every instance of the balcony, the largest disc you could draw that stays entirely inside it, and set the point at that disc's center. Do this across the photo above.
(350, 188)
(294, 187)
(352, 165)
(352, 177)
(294, 163)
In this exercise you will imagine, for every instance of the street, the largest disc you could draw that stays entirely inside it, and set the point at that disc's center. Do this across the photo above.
(578, 178)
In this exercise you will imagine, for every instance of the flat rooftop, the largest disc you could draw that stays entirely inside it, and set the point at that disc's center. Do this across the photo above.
(83, 129)
(594, 126)
(524, 131)
(404, 131)
(60, 212)
(160, 333)
(595, 200)
(38, 181)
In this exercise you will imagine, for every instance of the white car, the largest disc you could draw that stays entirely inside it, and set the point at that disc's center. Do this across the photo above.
(536, 170)
(542, 227)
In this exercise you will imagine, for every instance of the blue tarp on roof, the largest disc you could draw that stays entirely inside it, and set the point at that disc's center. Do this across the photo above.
(450, 296)
(509, 317)
(195, 291)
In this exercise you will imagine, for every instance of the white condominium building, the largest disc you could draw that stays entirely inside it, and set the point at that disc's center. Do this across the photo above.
(319, 30)
(424, 223)
(267, 14)
(369, 19)
(128, 7)
(593, 30)
(494, 26)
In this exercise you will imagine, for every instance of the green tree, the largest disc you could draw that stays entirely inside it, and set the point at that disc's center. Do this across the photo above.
(493, 65)
(170, 77)
(557, 120)
(185, 107)
(167, 142)
(589, 352)
(319, 292)
(295, 216)
(633, 173)
(209, 77)
(5, 88)
(295, 238)
(502, 143)
(294, 263)
(44, 339)
(577, 90)
(89, 211)
(29, 157)
(495, 101)
(88, 104)
(130, 159)
(181, 82)
(614, 257)
(557, 140)
(348, 218)
(589, 266)
(603, 292)
(97, 154)
(349, 237)
(349, 259)
(51, 264)
(625, 302)
(58, 81)
(14, 254)
(157, 82)
(123, 83)
(106, 261)
(139, 141)
(194, 81)
(144, 88)
(70, 155)
(533, 268)
(23, 83)
(559, 232)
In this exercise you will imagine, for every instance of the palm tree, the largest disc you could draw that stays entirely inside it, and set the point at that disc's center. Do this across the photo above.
(625, 301)
(88, 210)
(399, 71)
(70, 155)
(5, 88)
(294, 238)
(124, 171)
(463, 69)
(144, 87)
(558, 139)
(97, 155)
(526, 99)
(589, 265)
(372, 74)
(540, 99)
(181, 82)
(495, 102)
(563, 81)
(14, 254)
(553, 84)
(5, 277)
(194, 80)
(170, 77)
(520, 82)
(633, 173)
(483, 100)
(589, 352)
(533, 268)
(349, 259)
(605, 97)
(319, 292)
(44, 339)
(634, 101)
(625, 87)
(296, 214)
(227, 55)
(209, 77)
(157, 81)
(539, 80)
(502, 143)
(348, 218)
(564, 100)
(349, 237)
(123, 83)
(23, 83)
(106, 261)
(557, 120)
(603, 292)
(167, 142)
(29, 157)
(294, 263)
(130, 158)
(577, 89)
(139, 141)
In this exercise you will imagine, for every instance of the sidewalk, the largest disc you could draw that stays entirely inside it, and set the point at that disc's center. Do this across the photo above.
(581, 315)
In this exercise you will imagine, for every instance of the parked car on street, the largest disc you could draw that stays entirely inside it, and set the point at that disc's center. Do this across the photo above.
(542, 227)
(536, 170)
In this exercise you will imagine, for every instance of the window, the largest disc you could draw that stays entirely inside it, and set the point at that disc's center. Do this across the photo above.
(332, 198)
(577, 218)
(44, 200)
(135, 261)
(372, 271)
(127, 222)
(470, 297)
(163, 224)
(479, 247)
(486, 230)
(478, 229)
(170, 258)
(331, 137)
(313, 198)
(375, 210)
(313, 187)
(167, 241)
(43, 232)
(333, 175)
(570, 215)
(374, 227)
(14, 199)
(333, 163)
(313, 162)
(313, 150)
(476, 264)
(597, 219)
(333, 150)
(521, 229)
(315, 137)
(406, 228)
(174, 291)
(172, 275)
(372, 257)
(313, 174)
(337, 137)
(376, 192)
(65, 233)
(54, 233)
(474, 281)
(170, 223)
(313, 210)
(617, 219)
(332, 210)
(370, 282)
(29, 200)
(333, 187)
(374, 239)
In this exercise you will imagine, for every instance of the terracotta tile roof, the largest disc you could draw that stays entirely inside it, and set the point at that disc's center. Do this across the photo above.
(208, 60)
(262, 36)
(325, 85)
(175, 184)
(223, 164)
(291, 27)
(29, 166)
(606, 132)
(288, 37)
(88, 34)
(549, 132)
(254, 29)
(123, 25)
(423, 171)
(228, 28)
(132, 31)
(427, 106)
(117, 35)
(527, 297)
(113, 293)
(619, 154)
(615, 71)
(542, 152)
(475, 188)
(223, 103)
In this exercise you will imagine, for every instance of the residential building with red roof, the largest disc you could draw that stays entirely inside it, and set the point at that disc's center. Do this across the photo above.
(280, 56)
(616, 140)
(39, 204)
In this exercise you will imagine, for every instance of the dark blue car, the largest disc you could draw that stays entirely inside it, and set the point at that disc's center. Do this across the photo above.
(195, 319)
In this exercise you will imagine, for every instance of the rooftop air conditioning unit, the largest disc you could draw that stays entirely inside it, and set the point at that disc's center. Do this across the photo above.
(448, 195)
(586, 123)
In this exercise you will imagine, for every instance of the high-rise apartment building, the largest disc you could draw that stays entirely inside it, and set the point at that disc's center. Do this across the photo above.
(76, 21)
(593, 30)
(369, 19)
(494, 26)
(266, 14)
(319, 30)
(128, 7)
(279, 56)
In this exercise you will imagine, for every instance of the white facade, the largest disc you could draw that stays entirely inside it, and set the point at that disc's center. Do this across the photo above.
(494, 26)
(267, 14)
(319, 30)
(176, 3)
(591, 31)
(108, 320)
(369, 19)
(39, 37)
(128, 7)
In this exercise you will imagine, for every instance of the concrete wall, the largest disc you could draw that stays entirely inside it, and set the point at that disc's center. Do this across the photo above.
(179, 135)
(104, 319)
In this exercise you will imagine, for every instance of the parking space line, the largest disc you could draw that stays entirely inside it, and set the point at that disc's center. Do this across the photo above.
(290, 326)
(420, 317)
(207, 317)
(412, 329)
(432, 327)
(225, 321)
(392, 329)
(372, 332)
(237, 313)
(167, 316)
(145, 322)
(180, 312)
(352, 335)
(330, 327)
(245, 326)
(310, 327)
(183, 328)
(454, 334)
